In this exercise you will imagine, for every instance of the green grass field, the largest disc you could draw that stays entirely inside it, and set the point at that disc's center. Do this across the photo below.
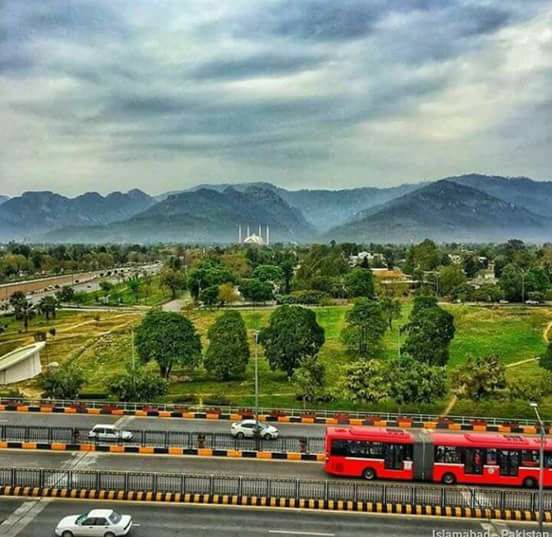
(102, 346)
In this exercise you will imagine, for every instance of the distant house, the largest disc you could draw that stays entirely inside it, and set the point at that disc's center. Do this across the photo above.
(370, 257)
(21, 364)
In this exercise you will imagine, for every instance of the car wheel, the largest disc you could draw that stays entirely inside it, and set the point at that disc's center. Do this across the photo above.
(448, 479)
(369, 474)
(267, 436)
(240, 435)
(67, 534)
(530, 483)
(109, 534)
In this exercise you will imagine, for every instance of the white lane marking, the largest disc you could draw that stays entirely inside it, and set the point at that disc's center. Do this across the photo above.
(123, 422)
(22, 517)
(495, 529)
(290, 532)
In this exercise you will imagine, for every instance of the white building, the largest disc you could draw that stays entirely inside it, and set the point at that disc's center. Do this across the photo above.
(355, 260)
(21, 364)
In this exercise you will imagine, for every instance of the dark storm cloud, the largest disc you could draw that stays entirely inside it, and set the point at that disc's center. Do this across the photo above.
(322, 87)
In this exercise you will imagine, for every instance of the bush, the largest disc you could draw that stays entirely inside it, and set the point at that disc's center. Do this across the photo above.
(140, 384)
(62, 382)
(309, 297)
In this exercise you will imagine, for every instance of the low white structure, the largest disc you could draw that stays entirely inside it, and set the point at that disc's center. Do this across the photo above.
(21, 364)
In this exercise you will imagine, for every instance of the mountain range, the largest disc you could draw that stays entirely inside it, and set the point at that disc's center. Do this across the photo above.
(467, 208)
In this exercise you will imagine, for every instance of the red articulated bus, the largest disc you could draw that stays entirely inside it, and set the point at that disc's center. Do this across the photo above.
(482, 459)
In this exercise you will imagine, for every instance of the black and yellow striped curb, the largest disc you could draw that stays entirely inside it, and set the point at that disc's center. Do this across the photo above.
(448, 424)
(274, 501)
(175, 451)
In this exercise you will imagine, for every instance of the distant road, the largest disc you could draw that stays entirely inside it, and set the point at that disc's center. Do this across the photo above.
(83, 281)
(197, 521)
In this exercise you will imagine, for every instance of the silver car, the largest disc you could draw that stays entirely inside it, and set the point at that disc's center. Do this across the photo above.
(96, 523)
(247, 429)
(109, 433)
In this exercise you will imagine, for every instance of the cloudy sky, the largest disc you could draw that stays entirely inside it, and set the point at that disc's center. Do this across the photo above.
(165, 94)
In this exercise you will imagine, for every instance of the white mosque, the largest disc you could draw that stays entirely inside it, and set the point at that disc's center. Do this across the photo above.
(252, 238)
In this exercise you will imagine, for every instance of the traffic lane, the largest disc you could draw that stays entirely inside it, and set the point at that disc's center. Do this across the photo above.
(85, 421)
(178, 520)
(8, 507)
(160, 463)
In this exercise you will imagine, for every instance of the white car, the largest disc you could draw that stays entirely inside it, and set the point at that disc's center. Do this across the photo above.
(109, 433)
(96, 523)
(247, 429)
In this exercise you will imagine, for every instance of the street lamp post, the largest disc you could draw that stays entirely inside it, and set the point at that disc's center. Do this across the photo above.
(257, 388)
(535, 407)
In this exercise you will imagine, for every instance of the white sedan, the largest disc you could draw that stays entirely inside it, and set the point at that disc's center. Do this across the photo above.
(248, 428)
(96, 523)
(107, 433)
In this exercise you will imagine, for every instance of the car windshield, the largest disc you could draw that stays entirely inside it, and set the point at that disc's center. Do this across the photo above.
(81, 519)
(115, 517)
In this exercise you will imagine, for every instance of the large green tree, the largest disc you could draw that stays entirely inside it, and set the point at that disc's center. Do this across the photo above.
(168, 338)
(174, 280)
(359, 283)
(48, 306)
(292, 335)
(256, 290)
(366, 381)
(479, 377)
(269, 273)
(391, 310)
(207, 274)
(365, 327)
(429, 333)
(228, 352)
(309, 378)
(23, 308)
(450, 277)
(511, 282)
(411, 381)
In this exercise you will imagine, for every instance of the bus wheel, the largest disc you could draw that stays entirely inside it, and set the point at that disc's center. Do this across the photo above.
(369, 474)
(448, 479)
(530, 483)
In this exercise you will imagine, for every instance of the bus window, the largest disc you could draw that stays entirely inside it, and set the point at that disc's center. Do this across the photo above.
(509, 462)
(529, 457)
(491, 457)
(448, 454)
(339, 448)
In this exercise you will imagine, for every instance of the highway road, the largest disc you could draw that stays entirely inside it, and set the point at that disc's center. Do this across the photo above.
(41, 517)
(149, 424)
(160, 463)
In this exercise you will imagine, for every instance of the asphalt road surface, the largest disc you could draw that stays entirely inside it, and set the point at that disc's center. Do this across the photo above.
(144, 463)
(149, 424)
(41, 517)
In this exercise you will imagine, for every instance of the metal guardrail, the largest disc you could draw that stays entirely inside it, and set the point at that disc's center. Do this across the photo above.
(292, 412)
(164, 439)
(403, 493)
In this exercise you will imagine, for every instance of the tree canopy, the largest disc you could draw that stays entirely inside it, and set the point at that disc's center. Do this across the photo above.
(365, 327)
(228, 352)
(168, 338)
(359, 283)
(292, 335)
